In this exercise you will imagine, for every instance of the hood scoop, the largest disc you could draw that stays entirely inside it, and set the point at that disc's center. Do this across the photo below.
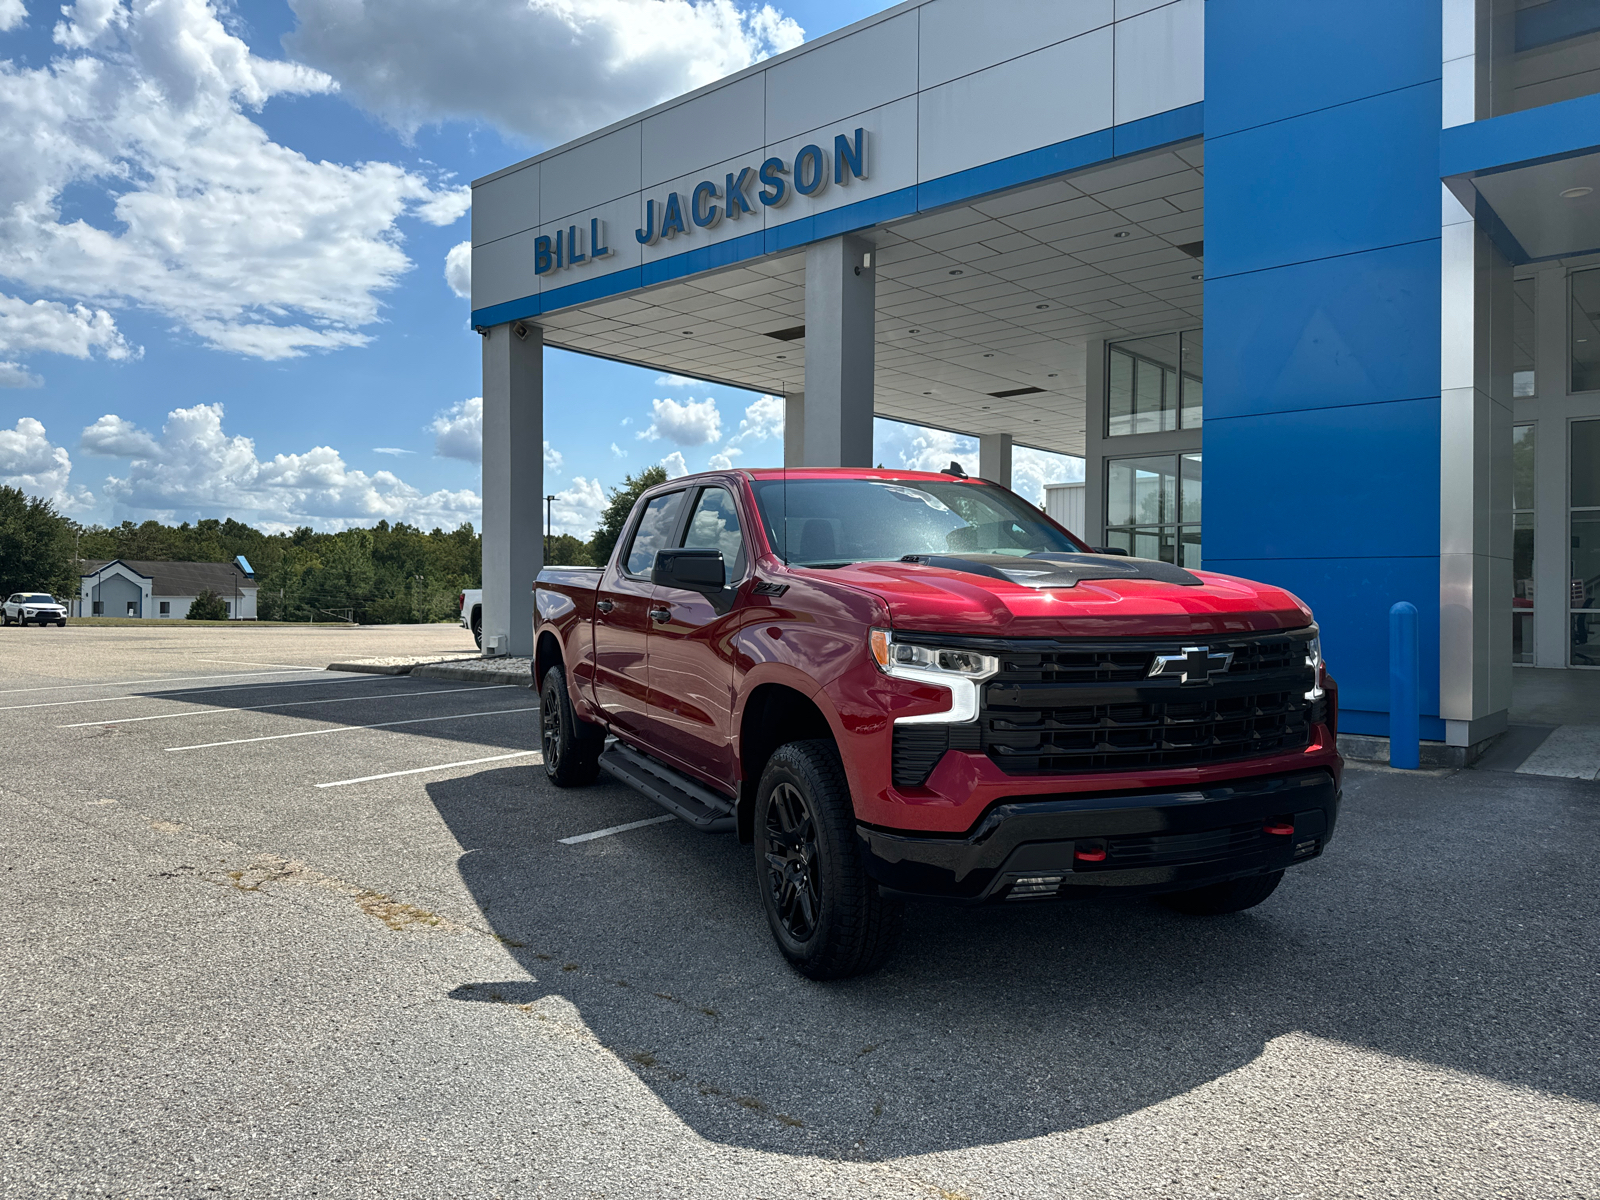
(1052, 570)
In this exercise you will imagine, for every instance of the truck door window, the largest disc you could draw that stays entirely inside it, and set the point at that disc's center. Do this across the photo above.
(715, 526)
(654, 532)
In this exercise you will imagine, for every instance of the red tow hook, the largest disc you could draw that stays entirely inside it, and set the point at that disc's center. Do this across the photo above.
(1090, 853)
(1279, 829)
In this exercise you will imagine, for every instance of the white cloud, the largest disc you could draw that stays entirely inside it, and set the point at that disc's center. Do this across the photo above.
(15, 375)
(618, 451)
(1032, 469)
(12, 14)
(458, 433)
(552, 458)
(114, 437)
(394, 450)
(29, 461)
(577, 510)
(692, 423)
(675, 381)
(458, 269)
(195, 467)
(243, 242)
(724, 460)
(546, 69)
(762, 420)
(675, 464)
(918, 448)
(52, 327)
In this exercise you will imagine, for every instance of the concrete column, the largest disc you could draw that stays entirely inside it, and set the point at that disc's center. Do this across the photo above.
(794, 429)
(513, 484)
(840, 316)
(1094, 430)
(1552, 562)
(994, 458)
(1475, 412)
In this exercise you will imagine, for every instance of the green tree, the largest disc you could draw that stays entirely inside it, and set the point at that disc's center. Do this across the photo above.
(616, 515)
(35, 546)
(564, 550)
(207, 606)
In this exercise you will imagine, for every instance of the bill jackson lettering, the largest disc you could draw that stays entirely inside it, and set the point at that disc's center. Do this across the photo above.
(770, 185)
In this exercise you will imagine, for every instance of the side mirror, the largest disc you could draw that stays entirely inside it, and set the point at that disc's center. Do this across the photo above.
(1109, 550)
(693, 570)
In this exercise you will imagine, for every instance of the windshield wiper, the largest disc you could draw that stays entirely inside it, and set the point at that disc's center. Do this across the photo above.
(833, 566)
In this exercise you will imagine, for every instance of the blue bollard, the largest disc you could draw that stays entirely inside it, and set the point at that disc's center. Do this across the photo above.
(1405, 681)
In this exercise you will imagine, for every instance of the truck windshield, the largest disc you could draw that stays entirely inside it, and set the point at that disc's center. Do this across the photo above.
(832, 522)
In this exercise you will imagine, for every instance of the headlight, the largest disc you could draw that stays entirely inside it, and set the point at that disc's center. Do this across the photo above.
(960, 671)
(1314, 661)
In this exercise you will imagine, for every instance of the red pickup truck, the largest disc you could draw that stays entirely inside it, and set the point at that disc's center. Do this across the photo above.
(899, 684)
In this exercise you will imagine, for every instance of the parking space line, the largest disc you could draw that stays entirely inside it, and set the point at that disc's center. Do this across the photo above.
(600, 833)
(215, 710)
(239, 662)
(278, 737)
(246, 687)
(466, 762)
(57, 687)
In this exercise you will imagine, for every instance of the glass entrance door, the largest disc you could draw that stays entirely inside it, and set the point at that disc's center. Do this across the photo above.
(1584, 517)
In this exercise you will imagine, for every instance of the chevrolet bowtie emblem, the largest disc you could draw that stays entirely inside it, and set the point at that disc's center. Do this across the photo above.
(1194, 664)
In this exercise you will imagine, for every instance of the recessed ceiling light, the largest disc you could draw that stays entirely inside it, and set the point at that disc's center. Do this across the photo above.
(1041, 306)
(1197, 277)
(916, 331)
(688, 333)
(1052, 374)
(927, 393)
(783, 356)
(988, 355)
(958, 271)
(1574, 192)
(985, 408)
(1121, 233)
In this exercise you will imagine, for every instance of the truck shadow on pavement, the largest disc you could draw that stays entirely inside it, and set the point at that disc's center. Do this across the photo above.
(1452, 922)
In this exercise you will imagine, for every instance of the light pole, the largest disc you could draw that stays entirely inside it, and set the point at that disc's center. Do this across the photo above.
(549, 509)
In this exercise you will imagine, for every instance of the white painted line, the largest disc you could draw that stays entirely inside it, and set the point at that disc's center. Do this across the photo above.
(278, 737)
(179, 693)
(214, 711)
(600, 833)
(57, 687)
(239, 662)
(466, 762)
(1570, 752)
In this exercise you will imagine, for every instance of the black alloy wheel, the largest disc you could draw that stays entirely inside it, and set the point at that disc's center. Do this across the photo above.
(571, 746)
(826, 914)
(793, 878)
(477, 629)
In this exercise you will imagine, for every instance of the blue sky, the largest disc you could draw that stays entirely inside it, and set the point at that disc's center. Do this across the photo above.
(222, 275)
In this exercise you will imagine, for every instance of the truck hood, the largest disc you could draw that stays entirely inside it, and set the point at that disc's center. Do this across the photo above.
(1066, 595)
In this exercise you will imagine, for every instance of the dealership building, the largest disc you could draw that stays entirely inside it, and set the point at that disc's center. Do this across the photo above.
(1340, 262)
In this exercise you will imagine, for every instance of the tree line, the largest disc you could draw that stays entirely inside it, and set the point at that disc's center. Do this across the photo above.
(386, 574)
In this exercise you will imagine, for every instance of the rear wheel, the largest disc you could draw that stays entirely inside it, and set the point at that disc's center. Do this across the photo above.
(826, 914)
(1234, 895)
(477, 628)
(571, 746)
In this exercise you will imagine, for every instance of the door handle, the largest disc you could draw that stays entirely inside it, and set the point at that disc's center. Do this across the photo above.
(604, 606)
(661, 615)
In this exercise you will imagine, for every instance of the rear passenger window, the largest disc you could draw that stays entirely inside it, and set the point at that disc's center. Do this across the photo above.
(654, 532)
(715, 526)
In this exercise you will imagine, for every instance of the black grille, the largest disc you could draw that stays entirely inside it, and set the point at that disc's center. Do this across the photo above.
(918, 749)
(1155, 849)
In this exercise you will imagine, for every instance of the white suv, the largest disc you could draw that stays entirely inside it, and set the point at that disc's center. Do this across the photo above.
(40, 609)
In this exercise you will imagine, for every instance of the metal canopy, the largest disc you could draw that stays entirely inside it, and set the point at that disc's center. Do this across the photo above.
(990, 297)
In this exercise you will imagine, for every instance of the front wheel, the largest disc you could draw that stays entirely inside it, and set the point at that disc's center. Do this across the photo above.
(571, 746)
(61, 624)
(1234, 895)
(826, 914)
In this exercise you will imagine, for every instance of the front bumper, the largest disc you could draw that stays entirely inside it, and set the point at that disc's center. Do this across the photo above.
(1147, 841)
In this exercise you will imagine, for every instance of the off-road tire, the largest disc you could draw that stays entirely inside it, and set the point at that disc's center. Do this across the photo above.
(571, 746)
(825, 912)
(61, 624)
(477, 629)
(1231, 896)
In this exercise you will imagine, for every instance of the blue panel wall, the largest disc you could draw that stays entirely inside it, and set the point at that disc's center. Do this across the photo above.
(1322, 321)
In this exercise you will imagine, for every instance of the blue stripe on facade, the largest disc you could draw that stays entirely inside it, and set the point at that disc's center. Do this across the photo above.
(1133, 137)
(1554, 131)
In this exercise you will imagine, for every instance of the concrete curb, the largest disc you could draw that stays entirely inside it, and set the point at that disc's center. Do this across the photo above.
(372, 668)
(522, 678)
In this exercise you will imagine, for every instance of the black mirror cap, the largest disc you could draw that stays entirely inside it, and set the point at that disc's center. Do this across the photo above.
(1109, 550)
(693, 570)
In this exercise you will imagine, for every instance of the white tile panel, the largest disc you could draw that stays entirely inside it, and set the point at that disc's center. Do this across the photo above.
(503, 270)
(1045, 97)
(727, 123)
(590, 174)
(838, 79)
(506, 205)
(962, 36)
(620, 219)
(891, 161)
(1160, 60)
(694, 237)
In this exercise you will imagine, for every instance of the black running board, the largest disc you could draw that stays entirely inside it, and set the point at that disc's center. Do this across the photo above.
(674, 791)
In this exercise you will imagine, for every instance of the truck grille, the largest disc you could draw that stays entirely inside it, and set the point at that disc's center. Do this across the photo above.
(1059, 706)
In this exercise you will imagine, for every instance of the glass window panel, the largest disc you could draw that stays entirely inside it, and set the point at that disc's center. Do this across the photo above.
(1522, 444)
(1585, 560)
(1585, 464)
(655, 531)
(1192, 358)
(1189, 546)
(1189, 490)
(1537, 52)
(1585, 331)
(1153, 543)
(1522, 339)
(715, 526)
(1522, 588)
(1120, 539)
(1585, 640)
(1141, 491)
(1119, 406)
(1147, 397)
(1522, 637)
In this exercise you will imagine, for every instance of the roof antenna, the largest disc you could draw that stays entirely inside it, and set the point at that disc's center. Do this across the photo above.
(954, 469)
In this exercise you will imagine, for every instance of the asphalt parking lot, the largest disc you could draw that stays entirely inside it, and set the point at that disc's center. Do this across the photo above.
(261, 939)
